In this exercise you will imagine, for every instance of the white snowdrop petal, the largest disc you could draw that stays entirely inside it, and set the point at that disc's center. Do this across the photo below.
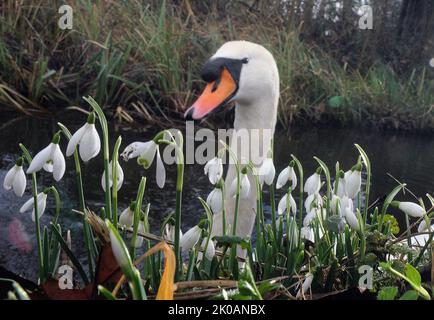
(351, 219)
(90, 144)
(306, 285)
(245, 186)
(19, 183)
(59, 165)
(10, 177)
(126, 219)
(210, 249)
(412, 209)
(190, 238)
(75, 140)
(27, 205)
(139, 240)
(281, 208)
(353, 182)
(40, 159)
(120, 176)
(161, 171)
(283, 177)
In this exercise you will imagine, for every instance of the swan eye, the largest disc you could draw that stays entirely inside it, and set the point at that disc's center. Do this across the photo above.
(245, 60)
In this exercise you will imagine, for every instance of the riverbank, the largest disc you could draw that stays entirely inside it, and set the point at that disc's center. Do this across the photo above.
(142, 63)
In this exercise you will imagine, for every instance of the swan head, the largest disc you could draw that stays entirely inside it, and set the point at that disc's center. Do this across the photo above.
(240, 71)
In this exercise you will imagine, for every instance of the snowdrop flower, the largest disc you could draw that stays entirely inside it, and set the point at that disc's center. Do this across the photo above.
(16, 179)
(423, 226)
(190, 238)
(41, 200)
(287, 174)
(139, 240)
(119, 176)
(353, 181)
(314, 200)
(351, 217)
(214, 200)
(50, 158)
(169, 232)
(144, 151)
(340, 192)
(244, 186)
(87, 139)
(313, 183)
(306, 285)
(210, 250)
(283, 202)
(315, 213)
(307, 234)
(214, 169)
(120, 251)
(161, 171)
(267, 171)
(412, 209)
(126, 219)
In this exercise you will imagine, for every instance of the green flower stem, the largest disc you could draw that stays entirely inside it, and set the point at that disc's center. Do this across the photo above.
(137, 211)
(54, 191)
(87, 231)
(179, 187)
(179, 147)
(42, 272)
(103, 121)
(273, 209)
(300, 204)
(115, 180)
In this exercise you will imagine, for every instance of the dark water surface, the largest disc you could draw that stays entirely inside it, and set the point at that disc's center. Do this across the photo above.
(407, 157)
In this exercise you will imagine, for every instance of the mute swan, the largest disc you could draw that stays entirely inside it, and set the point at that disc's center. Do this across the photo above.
(244, 73)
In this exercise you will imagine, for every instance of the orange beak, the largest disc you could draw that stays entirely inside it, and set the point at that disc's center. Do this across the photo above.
(216, 94)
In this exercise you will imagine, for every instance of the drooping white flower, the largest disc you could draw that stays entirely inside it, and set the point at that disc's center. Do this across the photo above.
(307, 234)
(244, 186)
(41, 203)
(87, 139)
(313, 183)
(126, 219)
(305, 286)
(215, 200)
(410, 208)
(214, 169)
(169, 232)
(423, 226)
(190, 238)
(120, 251)
(287, 174)
(283, 204)
(50, 158)
(314, 200)
(353, 182)
(340, 192)
(267, 171)
(16, 179)
(145, 151)
(139, 240)
(351, 218)
(119, 176)
(161, 171)
(210, 249)
(314, 213)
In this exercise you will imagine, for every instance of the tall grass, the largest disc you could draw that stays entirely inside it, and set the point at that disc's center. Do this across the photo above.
(142, 60)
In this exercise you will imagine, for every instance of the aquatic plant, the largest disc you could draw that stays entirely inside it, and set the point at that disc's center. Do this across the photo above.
(324, 230)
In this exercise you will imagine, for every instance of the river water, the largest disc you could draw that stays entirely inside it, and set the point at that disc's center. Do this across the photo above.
(408, 157)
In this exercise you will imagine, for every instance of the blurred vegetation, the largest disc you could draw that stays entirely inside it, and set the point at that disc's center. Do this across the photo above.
(141, 59)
